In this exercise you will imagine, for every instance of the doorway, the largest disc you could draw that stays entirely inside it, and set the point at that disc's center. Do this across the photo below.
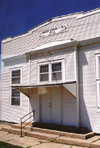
(50, 105)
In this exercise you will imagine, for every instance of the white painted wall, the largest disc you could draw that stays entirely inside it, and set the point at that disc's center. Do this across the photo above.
(34, 102)
(10, 113)
(69, 108)
(89, 114)
(79, 29)
(66, 54)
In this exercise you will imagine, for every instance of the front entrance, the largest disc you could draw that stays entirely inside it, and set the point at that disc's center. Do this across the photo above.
(50, 105)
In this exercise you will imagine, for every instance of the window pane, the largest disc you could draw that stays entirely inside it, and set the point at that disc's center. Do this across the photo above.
(15, 80)
(15, 97)
(15, 93)
(57, 76)
(56, 67)
(15, 101)
(43, 77)
(43, 68)
(15, 73)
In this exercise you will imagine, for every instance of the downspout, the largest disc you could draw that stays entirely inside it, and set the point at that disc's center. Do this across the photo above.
(77, 85)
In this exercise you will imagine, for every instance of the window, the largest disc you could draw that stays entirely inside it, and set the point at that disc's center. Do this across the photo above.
(15, 94)
(98, 79)
(16, 77)
(15, 97)
(44, 72)
(51, 71)
(56, 71)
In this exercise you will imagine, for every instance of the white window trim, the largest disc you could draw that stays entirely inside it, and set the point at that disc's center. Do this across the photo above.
(50, 71)
(97, 56)
(98, 95)
(97, 66)
(12, 69)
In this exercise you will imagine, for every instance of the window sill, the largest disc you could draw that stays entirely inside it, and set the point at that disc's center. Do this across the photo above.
(52, 82)
(15, 106)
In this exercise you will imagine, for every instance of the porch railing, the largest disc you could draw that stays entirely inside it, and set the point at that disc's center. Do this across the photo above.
(30, 115)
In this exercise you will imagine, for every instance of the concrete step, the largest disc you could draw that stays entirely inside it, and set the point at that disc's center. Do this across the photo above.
(17, 126)
(52, 137)
(11, 130)
(55, 132)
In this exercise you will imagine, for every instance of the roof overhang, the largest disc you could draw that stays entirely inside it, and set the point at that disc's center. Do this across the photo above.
(89, 41)
(25, 88)
(53, 46)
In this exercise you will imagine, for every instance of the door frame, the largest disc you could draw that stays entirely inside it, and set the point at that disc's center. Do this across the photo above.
(40, 104)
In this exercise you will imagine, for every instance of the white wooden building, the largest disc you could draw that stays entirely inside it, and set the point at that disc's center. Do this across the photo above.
(56, 68)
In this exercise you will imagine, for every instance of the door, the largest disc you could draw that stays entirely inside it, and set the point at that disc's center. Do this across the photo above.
(46, 105)
(51, 105)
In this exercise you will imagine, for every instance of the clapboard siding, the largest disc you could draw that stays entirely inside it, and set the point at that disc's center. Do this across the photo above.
(86, 27)
(9, 113)
(13, 114)
(34, 103)
(25, 73)
(89, 115)
(66, 54)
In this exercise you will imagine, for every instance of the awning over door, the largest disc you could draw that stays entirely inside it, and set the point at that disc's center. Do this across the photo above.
(25, 89)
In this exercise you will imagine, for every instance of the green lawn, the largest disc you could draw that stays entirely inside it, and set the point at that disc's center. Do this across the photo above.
(7, 145)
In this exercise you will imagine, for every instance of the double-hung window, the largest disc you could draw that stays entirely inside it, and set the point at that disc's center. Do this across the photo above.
(15, 94)
(15, 97)
(51, 71)
(16, 77)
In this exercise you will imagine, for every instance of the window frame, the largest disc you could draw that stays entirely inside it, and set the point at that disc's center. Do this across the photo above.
(13, 77)
(97, 69)
(43, 73)
(62, 61)
(97, 66)
(17, 97)
(52, 72)
(15, 69)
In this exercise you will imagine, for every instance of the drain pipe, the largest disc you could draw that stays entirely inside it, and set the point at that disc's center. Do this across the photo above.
(77, 84)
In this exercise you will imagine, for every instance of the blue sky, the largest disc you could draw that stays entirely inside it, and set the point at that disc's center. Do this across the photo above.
(18, 16)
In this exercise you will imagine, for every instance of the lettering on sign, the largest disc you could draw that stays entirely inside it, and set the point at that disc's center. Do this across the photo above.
(53, 31)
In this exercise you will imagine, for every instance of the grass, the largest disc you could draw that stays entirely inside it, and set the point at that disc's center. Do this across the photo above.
(7, 145)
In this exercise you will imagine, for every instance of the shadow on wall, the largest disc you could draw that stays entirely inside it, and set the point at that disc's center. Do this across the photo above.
(84, 116)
